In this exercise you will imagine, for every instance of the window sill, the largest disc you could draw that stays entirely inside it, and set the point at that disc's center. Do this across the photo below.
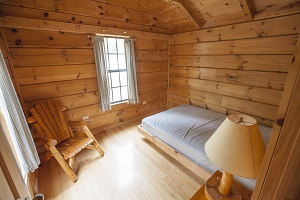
(119, 103)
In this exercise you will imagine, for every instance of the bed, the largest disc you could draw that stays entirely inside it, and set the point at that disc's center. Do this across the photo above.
(182, 132)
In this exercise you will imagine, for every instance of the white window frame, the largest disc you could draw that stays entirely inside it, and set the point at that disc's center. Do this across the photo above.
(110, 71)
(104, 84)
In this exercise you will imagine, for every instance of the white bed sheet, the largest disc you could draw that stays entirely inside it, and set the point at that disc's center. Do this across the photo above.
(186, 128)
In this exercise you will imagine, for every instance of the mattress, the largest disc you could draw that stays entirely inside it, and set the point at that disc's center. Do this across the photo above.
(186, 128)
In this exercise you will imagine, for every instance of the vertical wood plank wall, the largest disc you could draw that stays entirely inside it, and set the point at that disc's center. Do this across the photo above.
(60, 65)
(235, 68)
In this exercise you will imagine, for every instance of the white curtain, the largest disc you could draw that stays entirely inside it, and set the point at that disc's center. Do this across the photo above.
(102, 73)
(16, 122)
(133, 97)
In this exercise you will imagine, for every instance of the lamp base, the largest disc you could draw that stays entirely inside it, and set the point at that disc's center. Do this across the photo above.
(212, 188)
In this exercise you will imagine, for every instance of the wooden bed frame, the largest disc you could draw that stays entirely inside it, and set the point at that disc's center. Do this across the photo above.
(188, 163)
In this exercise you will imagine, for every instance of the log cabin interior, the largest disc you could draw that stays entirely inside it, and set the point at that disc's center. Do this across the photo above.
(92, 75)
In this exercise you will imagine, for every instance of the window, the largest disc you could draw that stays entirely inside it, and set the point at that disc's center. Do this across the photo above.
(117, 72)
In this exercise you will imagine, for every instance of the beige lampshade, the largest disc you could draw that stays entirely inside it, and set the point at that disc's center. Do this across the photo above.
(237, 146)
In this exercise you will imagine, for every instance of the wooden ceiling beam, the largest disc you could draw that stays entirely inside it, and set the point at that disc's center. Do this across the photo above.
(248, 8)
(196, 18)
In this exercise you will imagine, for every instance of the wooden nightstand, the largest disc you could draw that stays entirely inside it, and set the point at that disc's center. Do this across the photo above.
(246, 193)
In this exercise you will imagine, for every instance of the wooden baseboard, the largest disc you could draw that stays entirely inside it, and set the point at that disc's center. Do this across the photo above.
(188, 163)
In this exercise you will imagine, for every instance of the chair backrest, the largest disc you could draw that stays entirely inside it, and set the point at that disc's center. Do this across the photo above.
(49, 121)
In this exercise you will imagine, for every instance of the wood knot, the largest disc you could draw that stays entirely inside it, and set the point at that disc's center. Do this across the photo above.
(101, 13)
(13, 30)
(127, 20)
(46, 14)
(100, 7)
(280, 121)
(293, 60)
(120, 112)
(73, 18)
(18, 42)
(51, 38)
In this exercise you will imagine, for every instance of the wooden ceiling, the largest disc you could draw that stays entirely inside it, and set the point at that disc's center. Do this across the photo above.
(160, 16)
(187, 15)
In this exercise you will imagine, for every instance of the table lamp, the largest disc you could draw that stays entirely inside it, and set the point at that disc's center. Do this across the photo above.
(238, 149)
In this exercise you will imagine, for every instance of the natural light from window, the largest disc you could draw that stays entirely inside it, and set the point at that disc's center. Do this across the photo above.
(117, 72)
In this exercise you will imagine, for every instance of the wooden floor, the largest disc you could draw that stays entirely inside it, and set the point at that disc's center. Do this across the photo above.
(132, 168)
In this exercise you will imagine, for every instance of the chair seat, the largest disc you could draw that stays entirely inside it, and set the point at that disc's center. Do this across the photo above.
(72, 146)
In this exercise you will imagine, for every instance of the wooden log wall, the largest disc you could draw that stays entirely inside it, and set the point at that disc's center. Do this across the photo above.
(235, 68)
(57, 61)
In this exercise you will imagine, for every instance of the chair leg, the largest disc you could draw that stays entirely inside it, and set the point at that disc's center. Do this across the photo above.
(61, 161)
(71, 162)
(95, 143)
(98, 148)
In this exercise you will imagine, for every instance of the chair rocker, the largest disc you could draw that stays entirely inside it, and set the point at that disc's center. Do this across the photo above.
(56, 135)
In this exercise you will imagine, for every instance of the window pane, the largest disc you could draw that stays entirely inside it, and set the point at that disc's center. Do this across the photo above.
(113, 61)
(122, 61)
(120, 43)
(115, 80)
(112, 45)
(116, 96)
(111, 95)
(123, 78)
(124, 93)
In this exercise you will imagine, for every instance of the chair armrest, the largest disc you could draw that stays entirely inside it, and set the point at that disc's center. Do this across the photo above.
(31, 120)
(77, 123)
(49, 142)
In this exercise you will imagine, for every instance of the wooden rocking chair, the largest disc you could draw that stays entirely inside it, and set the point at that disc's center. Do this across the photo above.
(56, 135)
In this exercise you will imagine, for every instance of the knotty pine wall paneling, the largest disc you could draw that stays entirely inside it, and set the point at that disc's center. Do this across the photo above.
(55, 65)
(116, 14)
(235, 68)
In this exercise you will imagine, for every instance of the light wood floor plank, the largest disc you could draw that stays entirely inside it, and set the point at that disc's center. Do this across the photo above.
(150, 170)
(132, 168)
